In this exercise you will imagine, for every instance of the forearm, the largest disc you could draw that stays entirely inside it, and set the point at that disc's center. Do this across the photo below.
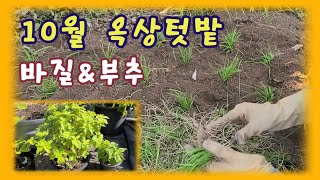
(289, 111)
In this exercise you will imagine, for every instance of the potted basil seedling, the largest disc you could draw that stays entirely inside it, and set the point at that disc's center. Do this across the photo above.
(65, 137)
(110, 155)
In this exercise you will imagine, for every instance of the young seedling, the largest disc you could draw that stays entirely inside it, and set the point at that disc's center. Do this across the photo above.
(146, 71)
(196, 160)
(95, 61)
(184, 100)
(72, 54)
(107, 52)
(265, 12)
(48, 87)
(230, 40)
(267, 57)
(266, 94)
(31, 55)
(181, 12)
(185, 55)
(161, 39)
(227, 71)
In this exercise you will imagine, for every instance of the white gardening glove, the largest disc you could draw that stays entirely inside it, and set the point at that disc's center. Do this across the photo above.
(231, 160)
(286, 113)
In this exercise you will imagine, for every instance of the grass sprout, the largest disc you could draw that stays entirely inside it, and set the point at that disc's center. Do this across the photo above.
(31, 55)
(48, 87)
(184, 100)
(146, 69)
(161, 39)
(267, 57)
(227, 71)
(266, 94)
(230, 40)
(108, 51)
(164, 134)
(185, 55)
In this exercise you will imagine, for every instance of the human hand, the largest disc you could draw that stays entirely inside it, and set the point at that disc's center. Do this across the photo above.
(231, 160)
(286, 113)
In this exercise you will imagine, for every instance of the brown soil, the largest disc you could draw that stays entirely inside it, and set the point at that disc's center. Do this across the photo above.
(34, 111)
(278, 31)
(291, 142)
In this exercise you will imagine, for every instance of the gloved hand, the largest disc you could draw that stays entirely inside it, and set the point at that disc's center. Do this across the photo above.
(231, 160)
(286, 113)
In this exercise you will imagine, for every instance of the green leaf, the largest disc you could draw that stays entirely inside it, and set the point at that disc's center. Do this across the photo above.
(18, 118)
(67, 134)
(21, 106)
(76, 143)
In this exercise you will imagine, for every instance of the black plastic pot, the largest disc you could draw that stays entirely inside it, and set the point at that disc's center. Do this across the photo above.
(104, 166)
(130, 133)
(25, 129)
(25, 161)
(44, 163)
(114, 117)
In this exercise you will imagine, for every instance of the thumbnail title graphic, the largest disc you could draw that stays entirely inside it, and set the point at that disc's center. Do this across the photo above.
(74, 27)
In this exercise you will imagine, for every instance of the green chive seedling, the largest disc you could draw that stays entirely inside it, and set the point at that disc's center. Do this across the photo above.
(145, 69)
(95, 61)
(185, 54)
(196, 160)
(48, 87)
(227, 71)
(265, 12)
(31, 55)
(267, 57)
(184, 100)
(266, 94)
(230, 40)
(161, 39)
(72, 54)
(181, 12)
(146, 72)
(109, 51)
